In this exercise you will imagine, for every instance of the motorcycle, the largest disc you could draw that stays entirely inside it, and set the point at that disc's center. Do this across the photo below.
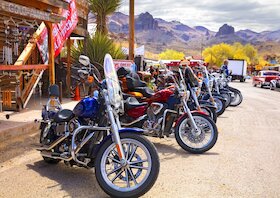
(193, 83)
(81, 75)
(194, 131)
(126, 164)
(222, 86)
(205, 93)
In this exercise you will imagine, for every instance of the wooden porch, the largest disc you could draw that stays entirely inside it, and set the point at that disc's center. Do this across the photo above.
(24, 68)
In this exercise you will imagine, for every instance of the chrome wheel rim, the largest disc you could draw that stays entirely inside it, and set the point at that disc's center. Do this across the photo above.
(127, 176)
(235, 99)
(219, 105)
(227, 97)
(206, 133)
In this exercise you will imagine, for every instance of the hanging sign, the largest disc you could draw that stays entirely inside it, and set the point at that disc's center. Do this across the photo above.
(61, 32)
(123, 63)
(24, 11)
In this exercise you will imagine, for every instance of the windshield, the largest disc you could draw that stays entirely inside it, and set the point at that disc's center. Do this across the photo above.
(113, 86)
(271, 74)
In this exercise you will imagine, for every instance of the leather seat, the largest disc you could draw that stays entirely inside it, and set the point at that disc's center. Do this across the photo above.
(122, 72)
(64, 115)
(146, 91)
(131, 103)
(133, 83)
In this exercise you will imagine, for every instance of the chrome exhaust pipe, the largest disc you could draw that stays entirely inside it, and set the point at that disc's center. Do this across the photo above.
(133, 122)
(59, 140)
(50, 155)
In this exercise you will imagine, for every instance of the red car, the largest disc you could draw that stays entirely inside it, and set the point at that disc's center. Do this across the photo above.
(275, 84)
(264, 77)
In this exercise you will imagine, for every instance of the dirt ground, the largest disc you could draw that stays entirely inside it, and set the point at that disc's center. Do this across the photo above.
(245, 162)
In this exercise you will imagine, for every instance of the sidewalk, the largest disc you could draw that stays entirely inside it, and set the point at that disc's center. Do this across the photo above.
(21, 123)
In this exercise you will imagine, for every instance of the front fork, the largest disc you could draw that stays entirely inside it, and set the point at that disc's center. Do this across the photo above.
(195, 100)
(115, 126)
(188, 111)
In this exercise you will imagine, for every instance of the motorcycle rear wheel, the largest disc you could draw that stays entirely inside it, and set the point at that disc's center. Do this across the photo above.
(129, 183)
(186, 139)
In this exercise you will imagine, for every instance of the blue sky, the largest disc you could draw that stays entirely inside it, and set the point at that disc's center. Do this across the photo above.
(257, 15)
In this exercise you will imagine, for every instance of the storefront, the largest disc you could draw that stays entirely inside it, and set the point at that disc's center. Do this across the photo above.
(32, 34)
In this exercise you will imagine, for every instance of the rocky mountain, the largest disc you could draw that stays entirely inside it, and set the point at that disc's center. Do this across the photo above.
(157, 34)
(225, 30)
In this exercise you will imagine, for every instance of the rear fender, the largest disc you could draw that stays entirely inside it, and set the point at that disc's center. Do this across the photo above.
(185, 115)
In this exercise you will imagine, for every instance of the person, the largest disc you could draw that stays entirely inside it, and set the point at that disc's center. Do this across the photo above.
(191, 77)
(151, 70)
(156, 73)
(224, 68)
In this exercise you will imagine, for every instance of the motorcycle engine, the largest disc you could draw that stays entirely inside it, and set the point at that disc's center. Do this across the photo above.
(64, 147)
(60, 129)
(152, 126)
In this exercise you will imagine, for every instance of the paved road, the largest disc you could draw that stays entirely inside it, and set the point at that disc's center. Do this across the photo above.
(244, 163)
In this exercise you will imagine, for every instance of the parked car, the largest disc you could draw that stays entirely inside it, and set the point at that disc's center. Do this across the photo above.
(275, 84)
(264, 77)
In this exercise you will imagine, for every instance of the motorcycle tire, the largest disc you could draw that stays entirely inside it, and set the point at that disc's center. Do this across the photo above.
(237, 99)
(228, 97)
(189, 147)
(144, 186)
(222, 105)
(211, 112)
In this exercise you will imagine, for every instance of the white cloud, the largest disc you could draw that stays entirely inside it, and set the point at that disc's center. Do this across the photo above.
(257, 15)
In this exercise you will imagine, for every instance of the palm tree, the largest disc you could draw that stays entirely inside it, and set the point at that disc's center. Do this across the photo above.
(97, 47)
(101, 9)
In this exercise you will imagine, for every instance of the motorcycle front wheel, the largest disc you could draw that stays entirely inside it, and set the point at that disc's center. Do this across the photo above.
(134, 178)
(236, 99)
(228, 97)
(210, 112)
(221, 106)
(196, 142)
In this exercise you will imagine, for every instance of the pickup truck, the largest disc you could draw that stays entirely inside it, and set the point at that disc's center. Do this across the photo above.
(264, 77)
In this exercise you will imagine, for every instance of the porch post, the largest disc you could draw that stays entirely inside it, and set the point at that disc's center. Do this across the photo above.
(51, 53)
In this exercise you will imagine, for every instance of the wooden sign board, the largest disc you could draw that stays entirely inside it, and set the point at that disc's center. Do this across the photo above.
(28, 12)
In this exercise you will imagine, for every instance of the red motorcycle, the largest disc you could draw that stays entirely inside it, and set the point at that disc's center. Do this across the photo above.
(165, 112)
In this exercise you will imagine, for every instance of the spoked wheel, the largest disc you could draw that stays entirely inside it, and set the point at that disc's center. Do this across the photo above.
(221, 106)
(200, 141)
(132, 178)
(212, 113)
(228, 97)
(236, 99)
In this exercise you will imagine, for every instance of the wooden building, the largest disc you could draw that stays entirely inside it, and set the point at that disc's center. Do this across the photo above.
(21, 25)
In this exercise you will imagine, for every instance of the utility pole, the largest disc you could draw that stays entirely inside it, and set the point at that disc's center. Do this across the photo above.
(131, 30)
